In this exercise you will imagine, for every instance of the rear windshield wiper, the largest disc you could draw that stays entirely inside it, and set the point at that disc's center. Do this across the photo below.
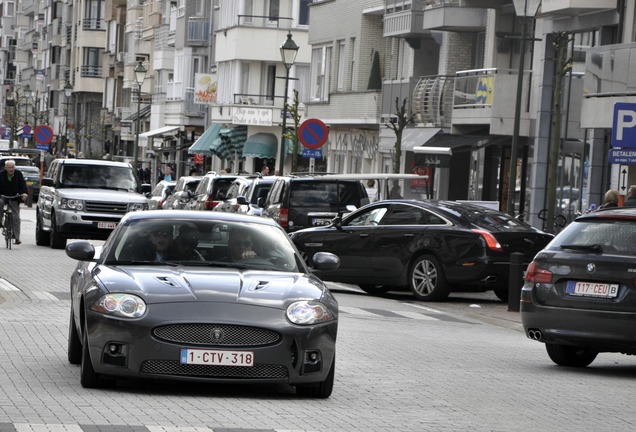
(591, 247)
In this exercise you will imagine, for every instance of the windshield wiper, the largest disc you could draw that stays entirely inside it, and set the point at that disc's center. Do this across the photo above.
(138, 262)
(597, 248)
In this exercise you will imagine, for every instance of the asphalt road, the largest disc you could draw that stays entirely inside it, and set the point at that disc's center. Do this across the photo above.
(402, 365)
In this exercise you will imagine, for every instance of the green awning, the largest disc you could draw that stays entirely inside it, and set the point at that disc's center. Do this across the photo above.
(205, 141)
(261, 145)
(229, 143)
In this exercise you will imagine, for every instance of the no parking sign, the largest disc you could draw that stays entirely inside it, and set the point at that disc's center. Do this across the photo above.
(313, 133)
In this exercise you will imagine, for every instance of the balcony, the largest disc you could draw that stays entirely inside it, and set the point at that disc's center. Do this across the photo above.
(349, 108)
(486, 98)
(426, 15)
(575, 7)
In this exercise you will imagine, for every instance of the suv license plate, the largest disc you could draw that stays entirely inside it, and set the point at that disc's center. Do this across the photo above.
(592, 289)
(214, 357)
(320, 221)
(106, 225)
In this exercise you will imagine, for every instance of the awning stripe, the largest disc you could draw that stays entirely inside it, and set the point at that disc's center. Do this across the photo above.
(204, 142)
(229, 143)
(261, 145)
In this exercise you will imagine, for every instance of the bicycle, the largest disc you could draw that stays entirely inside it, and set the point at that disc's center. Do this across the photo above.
(7, 227)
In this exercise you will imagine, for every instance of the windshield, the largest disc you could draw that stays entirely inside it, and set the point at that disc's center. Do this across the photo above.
(610, 236)
(103, 177)
(206, 243)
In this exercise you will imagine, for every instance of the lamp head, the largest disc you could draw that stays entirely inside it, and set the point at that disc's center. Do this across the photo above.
(68, 89)
(288, 51)
(140, 73)
(526, 8)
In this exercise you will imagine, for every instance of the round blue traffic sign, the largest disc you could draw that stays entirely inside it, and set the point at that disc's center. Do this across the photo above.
(313, 133)
(43, 134)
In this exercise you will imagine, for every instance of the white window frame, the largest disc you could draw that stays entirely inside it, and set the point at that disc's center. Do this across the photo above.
(320, 67)
(342, 65)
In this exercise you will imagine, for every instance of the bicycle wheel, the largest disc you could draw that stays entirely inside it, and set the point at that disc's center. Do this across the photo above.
(8, 229)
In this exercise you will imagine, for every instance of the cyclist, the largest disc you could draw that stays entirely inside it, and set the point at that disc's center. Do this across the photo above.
(12, 183)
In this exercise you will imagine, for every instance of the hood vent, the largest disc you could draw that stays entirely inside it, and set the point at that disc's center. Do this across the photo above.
(167, 281)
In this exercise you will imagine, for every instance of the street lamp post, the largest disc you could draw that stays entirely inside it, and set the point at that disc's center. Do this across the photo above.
(68, 91)
(140, 76)
(288, 52)
(523, 9)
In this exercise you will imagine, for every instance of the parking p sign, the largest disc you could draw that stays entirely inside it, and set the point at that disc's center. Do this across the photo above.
(624, 125)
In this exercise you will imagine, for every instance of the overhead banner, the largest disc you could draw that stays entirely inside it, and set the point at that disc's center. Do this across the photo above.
(205, 86)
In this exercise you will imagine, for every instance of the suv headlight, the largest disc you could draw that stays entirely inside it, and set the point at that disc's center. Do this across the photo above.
(71, 204)
(308, 312)
(137, 206)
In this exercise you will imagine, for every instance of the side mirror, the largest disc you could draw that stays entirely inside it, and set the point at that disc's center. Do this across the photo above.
(337, 222)
(241, 200)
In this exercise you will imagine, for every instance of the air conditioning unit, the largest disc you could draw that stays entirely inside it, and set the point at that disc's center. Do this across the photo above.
(121, 57)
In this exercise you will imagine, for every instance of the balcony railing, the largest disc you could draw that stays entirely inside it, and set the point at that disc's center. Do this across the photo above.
(93, 24)
(198, 31)
(91, 71)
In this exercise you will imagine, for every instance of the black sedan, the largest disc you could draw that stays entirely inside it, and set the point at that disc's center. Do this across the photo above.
(429, 247)
(579, 296)
(201, 296)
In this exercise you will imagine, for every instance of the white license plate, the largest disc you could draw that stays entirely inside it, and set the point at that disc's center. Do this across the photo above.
(320, 221)
(216, 357)
(106, 225)
(592, 289)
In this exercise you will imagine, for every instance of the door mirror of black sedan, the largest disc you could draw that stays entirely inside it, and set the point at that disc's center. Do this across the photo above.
(325, 261)
(337, 222)
(80, 250)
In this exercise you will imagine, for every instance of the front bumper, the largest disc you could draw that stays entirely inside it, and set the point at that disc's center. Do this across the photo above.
(142, 354)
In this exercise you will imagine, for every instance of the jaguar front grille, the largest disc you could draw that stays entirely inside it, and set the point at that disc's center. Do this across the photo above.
(173, 367)
(216, 335)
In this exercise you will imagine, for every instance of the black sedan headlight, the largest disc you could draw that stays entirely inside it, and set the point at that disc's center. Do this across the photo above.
(120, 305)
(308, 312)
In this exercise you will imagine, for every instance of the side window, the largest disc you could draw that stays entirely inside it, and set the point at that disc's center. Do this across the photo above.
(274, 195)
(371, 217)
(403, 215)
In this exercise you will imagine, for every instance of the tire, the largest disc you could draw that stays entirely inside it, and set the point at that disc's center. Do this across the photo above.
(41, 237)
(567, 355)
(426, 279)
(375, 289)
(74, 351)
(8, 233)
(88, 377)
(56, 240)
(321, 390)
(501, 293)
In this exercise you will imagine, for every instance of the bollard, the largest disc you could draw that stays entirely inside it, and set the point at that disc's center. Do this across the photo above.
(515, 281)
(29, 201)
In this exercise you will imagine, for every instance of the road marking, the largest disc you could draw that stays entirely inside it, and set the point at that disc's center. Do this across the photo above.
(6, 286)
(33, 427)
(356, 311)
(43, 295)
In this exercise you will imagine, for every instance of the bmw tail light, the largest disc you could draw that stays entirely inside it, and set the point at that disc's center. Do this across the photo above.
(537, 274)
(283, 217)
(490, 239)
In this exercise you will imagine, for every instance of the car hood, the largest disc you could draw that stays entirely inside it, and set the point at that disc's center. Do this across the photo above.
(189, 284)
(101, 195)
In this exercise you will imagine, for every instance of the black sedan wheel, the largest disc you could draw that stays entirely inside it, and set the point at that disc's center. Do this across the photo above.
(74, 343)
(426, 279)
(88, 377)
(567, 355)
(320, 390)
(375, 289)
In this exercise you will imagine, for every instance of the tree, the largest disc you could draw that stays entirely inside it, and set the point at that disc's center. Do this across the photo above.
(375, 79)
(562, 67)
(291, 133)
(401, 120)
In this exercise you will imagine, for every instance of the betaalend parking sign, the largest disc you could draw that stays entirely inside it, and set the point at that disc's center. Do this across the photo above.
(624, 125)
(623, 142)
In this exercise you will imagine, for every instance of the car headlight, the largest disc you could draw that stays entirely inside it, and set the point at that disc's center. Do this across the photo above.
(137, 206)
(308, 312)
(121, 305)
(71, 204)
